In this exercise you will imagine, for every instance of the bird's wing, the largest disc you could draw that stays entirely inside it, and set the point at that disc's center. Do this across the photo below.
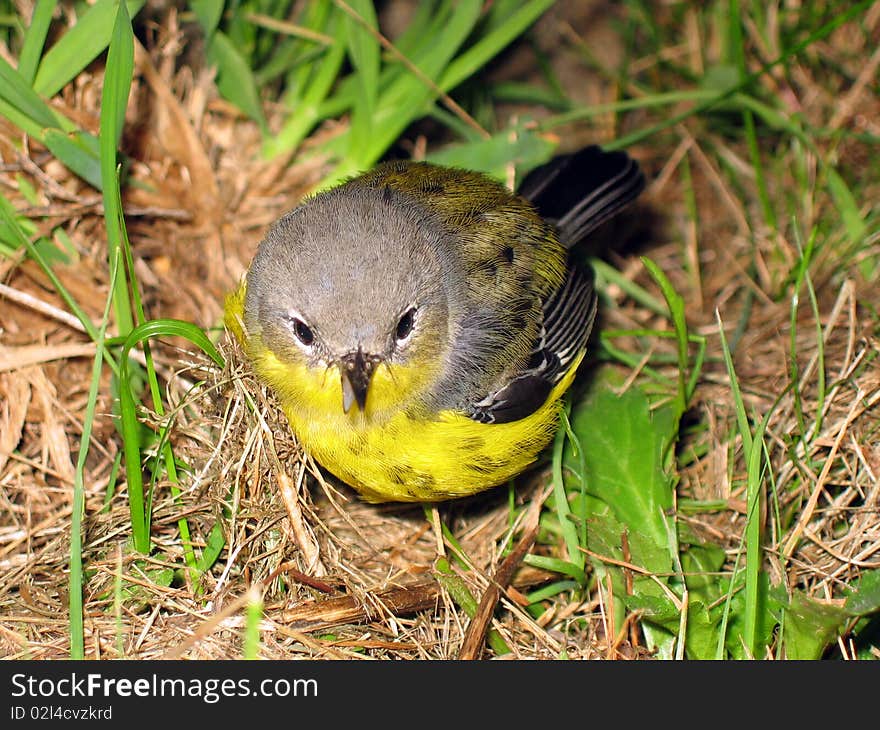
(580, 191)
(567, 321)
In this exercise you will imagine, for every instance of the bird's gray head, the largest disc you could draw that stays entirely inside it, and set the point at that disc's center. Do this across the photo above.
(356, 277)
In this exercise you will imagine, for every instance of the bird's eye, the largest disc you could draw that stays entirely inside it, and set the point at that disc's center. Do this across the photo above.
(303, 332)
(405, 324)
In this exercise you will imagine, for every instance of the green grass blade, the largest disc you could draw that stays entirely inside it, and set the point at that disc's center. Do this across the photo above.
(131, 449)
(523, 149)
(846, 205)
(19, 235)
(79, 46)
(75, 598)
(754, 550)
(462, 596)
(675, 302)
(485, 49)
(560, 499)
(616, 107)
(208, 13)
(117, 80)
(410, 90)
(120, 63)
(430, 59)
(235, 80)
(139, 506)
(22, 121)
(740, 52)
(821, 384)
(363, 50)
(308, 97)
(176, 328)
(253, 619)
(742, 418)
(556, 565)
(25, 109)
(35, 39)
(820, 33)
(606, 274)
(114, 99)
(18, 94)
(76, 150)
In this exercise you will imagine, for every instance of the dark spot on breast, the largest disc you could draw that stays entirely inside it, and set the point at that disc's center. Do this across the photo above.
(387, 194)
(483, 466)
(516, 449)
(508, 254)
(357, 446)
(411, 479)
(473, 443)
(401, 474)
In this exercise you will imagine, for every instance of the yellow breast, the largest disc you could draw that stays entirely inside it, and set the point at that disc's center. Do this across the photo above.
(387, 453)
(402, 457)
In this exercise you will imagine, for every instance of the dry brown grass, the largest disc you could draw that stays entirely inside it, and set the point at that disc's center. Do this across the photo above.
(339, 578)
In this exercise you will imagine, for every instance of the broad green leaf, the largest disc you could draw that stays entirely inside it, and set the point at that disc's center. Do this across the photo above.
(811, 626)
(700, 563)
(866, 598)
(626, 445)
(137, 596)
(658, 609)
(701, 631)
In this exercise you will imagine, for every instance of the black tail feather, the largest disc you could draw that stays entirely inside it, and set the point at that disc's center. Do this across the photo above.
(580, 191)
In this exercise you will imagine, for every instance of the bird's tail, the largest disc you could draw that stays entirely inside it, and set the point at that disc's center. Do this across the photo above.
(579, 191)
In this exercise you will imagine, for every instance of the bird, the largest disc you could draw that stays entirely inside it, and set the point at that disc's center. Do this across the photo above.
(420, 323)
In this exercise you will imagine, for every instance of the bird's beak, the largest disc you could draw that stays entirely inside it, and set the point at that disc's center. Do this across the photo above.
(357, 370)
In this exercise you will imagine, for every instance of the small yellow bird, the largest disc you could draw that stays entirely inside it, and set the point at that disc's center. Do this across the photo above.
(420, 323)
